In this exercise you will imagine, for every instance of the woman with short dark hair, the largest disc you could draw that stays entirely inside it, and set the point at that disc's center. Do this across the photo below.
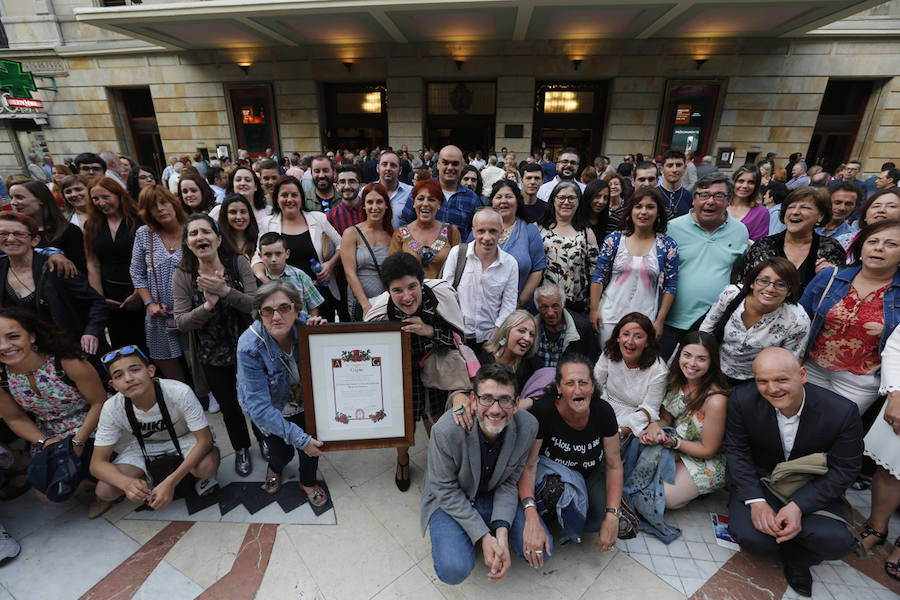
(430, 312)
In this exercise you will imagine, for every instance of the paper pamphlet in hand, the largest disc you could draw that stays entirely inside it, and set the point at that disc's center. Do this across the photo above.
(723, 537)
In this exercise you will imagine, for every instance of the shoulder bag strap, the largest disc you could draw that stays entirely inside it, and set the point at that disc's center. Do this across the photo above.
(153, 264)
(164, 411)
(136, 429)
(372, 252)
(61, 372)
(827, 287)
(460, 263)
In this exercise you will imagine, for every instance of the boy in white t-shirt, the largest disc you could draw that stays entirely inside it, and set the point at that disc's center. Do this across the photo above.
(131, 375)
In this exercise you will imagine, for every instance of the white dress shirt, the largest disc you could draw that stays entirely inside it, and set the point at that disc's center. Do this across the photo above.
(545, 190)
(787, 431)
(486, 296)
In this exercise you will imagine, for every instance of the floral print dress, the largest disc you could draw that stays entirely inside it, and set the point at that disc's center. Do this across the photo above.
(57, 407)
(708, 473)
(570, 263)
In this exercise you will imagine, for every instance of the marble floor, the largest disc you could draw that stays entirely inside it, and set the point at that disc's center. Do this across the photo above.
(375, 551)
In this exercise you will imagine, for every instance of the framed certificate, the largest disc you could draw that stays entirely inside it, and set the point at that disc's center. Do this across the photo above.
(357, 385)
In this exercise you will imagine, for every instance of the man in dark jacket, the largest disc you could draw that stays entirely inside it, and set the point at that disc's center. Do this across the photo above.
(560, 330)
(783, 418)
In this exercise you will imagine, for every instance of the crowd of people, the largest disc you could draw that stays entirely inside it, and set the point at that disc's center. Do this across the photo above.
(646, 334)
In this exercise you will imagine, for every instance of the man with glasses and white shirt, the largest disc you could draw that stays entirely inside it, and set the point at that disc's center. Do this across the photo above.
(710, 245)
(566, 169)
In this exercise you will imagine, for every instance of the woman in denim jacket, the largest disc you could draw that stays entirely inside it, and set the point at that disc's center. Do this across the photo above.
(853, 312)
(627, 278)
(269, 388)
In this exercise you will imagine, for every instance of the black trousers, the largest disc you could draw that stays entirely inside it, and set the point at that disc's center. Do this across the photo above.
(222, 382)
(280, 454)
(821, 538)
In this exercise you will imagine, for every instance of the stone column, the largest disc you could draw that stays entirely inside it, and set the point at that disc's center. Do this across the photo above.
(405, 111)
(515, 106)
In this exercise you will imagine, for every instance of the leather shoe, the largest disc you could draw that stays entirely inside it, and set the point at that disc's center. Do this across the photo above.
(264, 450)
(242, 464)
(799, 578)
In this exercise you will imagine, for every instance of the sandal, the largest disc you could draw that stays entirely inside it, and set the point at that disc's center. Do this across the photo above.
(205, 487)
(401, 481)
(318, 497)
(893, 568)
(273, 483)
(869, 531)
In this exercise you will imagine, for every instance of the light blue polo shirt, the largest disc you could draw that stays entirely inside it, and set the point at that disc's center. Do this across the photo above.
(705, 261)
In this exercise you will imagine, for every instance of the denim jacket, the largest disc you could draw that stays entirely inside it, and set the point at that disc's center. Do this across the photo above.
(263, 383)
(838, 290)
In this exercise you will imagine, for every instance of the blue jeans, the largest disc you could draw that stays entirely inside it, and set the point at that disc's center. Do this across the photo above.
(454, 553)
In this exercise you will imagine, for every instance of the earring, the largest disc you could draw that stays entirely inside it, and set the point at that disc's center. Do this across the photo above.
(34, 347)
(502, 342)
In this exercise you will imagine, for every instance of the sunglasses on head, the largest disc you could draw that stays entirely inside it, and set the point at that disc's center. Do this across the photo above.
(125, 351)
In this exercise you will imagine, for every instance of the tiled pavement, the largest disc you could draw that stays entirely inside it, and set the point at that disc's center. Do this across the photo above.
(377, 551)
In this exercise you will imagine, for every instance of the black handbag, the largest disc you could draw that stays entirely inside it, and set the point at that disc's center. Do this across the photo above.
(160, 467)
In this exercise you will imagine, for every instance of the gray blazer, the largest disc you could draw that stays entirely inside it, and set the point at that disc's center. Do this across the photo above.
(454, 471)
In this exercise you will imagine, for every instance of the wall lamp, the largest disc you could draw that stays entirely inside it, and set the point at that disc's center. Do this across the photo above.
(700, 62)
(348, 64)
(576, 62)
(459, 63)
(245, 67)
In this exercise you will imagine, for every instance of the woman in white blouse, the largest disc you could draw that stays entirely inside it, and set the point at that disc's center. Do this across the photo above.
(883, 446)
(307, 236)
(762, 313)
(632, 373)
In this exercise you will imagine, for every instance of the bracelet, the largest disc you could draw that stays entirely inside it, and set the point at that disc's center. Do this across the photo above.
(528, 503)
(77, 443)
(149, 302)
(42, 441)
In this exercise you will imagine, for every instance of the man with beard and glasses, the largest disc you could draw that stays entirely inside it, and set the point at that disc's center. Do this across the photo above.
(566, 169)
(470, 493)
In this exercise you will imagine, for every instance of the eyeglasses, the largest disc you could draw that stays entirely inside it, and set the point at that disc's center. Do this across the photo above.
(567, 199)
(267, 312)
(16, 235)
(762, 283)
(487, 401)
(124, 351)
(718, 196)
(90, 168)
(568, 162)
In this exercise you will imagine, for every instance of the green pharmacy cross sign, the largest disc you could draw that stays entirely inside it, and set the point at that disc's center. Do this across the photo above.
(19, 82)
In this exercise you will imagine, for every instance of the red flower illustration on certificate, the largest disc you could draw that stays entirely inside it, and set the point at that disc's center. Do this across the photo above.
(359, 395)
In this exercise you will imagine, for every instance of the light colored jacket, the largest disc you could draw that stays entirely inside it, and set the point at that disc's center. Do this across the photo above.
(454, 472)
(318, 224)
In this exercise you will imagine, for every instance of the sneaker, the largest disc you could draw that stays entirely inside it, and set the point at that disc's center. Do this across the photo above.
(213, 405)
(9, 548)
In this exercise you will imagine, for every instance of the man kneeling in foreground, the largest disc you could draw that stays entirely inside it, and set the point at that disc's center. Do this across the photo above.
(783, 418)
(131, 376)
(470, 490)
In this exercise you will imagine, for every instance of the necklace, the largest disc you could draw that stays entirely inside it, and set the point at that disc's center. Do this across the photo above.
(22, 283)
(166, 240)
(507, 231)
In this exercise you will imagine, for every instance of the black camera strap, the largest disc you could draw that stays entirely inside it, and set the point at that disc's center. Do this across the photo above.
(164, 411)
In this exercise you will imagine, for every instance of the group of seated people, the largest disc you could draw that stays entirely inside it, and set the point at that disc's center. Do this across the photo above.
(654, 360)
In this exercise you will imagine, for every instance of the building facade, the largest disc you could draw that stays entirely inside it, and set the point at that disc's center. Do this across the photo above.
(728, 79)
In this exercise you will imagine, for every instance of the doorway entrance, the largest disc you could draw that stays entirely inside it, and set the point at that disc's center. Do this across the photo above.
(355, 116)
(840, 114)
(461, 113)
(141, 118)
(570, 114)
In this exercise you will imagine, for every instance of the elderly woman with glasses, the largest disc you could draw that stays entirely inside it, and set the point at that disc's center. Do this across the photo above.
(269, 388)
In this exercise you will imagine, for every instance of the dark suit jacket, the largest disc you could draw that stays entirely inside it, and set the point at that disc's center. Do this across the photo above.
(454, 471)
(829, 423)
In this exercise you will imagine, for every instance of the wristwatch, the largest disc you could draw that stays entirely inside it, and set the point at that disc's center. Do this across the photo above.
(528, 502)
(42, 441)
(77, 443)
(615, 511)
